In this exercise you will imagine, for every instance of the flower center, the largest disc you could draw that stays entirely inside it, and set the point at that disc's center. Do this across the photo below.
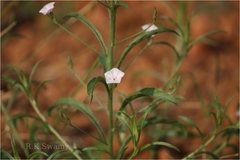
(114, 78)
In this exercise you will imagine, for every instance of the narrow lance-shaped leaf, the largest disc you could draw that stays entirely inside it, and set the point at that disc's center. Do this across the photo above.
(169, 45)
(124, 121)
(228, 128)
(156, 120)
(93, 83)
(192, 124)
(40, 85)
(175, 23)
(199, 39)
(123, 4)
(226, 106)
(55, 153)
(138, 39)
(14, 148)
(91, 26)
(169, 156)
(95, 148)
(35, 154)
(209, 153)
(215, 118)
(33, 71)
(159, 143)
(7, 154)
(82, 107)
(22, 115)
(151, 92)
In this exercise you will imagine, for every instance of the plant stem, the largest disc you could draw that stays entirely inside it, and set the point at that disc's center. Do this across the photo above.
(109, 65)
(35, 107)
(110, 124)
(76, 37)
(5, 112)
(201, 147)
(144, 48)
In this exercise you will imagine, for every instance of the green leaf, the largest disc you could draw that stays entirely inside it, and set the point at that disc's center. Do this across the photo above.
(156, 120)
(22, 115)
(199, 39)
(123, 147)
(160, 144)
(175, 23)
(209, 153)
(35, 154)
(169, 45)
(95, 148)
(14, 148)
(228, 128)
(91, 26)
(123, 4)
(33, 71)
(138, 39)
(215, 118)
(226, 106)
(92, 84)
(55, 153)
(151, 92)
(142, 119)
(7, 154)
(124, 121)
(169, 156)
(192, 124)
(40, 85)
(70, 63)
(80, 106)
(102, 59)
(135, 130)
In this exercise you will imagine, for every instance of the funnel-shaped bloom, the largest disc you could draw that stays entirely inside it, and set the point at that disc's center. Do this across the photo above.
(153, 27)
(47, 8)
(113, 76)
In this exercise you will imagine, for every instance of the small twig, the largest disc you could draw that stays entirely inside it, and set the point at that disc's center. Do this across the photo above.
(8, 29)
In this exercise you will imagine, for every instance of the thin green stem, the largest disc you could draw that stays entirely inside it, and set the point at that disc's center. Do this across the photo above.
(201, 147)
(5, 112)
(80, 40)
(109, 65)
(129, 37)
(95, 64)
(144, 48)
(110, 125)
(35, 107)
(173, 75)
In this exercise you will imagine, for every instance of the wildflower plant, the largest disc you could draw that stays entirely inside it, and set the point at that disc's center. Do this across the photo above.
(126, 126)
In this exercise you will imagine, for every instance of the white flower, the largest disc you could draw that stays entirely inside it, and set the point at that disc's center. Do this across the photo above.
(153, 27)
(238, 113)
(113, 76)
(47, 8)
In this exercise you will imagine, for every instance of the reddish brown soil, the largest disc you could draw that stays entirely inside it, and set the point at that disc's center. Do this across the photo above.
(42, 40)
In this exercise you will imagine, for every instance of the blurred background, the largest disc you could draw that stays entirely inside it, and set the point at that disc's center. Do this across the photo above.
(208, 71)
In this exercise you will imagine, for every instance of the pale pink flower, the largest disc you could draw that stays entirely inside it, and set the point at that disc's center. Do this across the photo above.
(113, 76)
(153, 27)
(47, 8)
